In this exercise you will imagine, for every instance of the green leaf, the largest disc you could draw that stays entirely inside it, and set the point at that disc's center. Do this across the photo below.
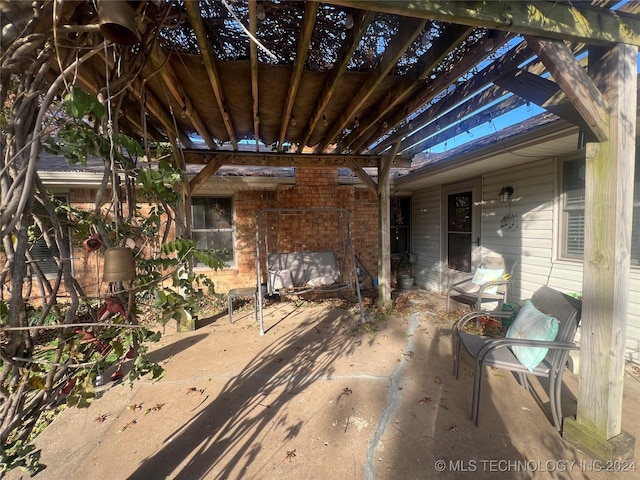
(79, 103)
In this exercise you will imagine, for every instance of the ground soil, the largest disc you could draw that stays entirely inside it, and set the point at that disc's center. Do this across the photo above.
(320, 396)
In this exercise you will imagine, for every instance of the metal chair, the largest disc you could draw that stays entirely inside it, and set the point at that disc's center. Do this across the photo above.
(462, 286)
(492, 352)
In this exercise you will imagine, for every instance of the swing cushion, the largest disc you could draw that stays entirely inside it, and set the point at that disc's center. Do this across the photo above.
(316, 268)
(320, 281)
(280, 279)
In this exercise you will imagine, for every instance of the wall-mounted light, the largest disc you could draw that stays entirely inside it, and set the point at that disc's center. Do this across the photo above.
(505, 194)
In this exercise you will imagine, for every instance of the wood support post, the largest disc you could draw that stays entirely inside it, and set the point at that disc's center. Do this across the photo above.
(384, 245)
(597, 428)
(384, 230)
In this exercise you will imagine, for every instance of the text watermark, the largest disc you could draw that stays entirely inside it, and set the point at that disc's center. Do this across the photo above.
(493, 465)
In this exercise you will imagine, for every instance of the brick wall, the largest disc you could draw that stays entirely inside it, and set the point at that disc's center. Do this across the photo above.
(314, 188)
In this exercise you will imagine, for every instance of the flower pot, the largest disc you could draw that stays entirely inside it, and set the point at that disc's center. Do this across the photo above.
(405, 282)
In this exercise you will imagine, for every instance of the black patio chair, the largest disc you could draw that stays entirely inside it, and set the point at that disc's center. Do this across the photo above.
(499, 352)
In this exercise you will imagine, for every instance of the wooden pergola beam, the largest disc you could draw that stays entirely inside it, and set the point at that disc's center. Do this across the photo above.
(559, 20)
(575, 83)
(399, 44)
(193, 12)
(309, 20)
(361, 22)
(201, 157)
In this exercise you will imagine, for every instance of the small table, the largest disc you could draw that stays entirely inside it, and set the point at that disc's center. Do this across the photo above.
(239, 293)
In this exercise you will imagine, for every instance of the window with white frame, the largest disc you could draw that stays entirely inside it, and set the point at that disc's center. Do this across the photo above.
(212, 225)
(47, 257)
(573, 201)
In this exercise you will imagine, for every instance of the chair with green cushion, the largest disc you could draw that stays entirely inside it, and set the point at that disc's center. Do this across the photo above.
(537, 342)
(488, 283)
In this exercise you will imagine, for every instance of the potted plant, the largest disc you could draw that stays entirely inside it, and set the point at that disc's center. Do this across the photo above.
(405, 271)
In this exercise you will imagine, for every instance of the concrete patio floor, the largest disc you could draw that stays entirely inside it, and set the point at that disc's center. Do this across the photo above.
(319, 397)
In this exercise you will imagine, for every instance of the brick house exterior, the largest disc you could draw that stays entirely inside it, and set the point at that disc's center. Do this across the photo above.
(313, 188)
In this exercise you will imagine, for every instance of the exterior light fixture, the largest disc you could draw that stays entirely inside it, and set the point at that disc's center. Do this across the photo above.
(324, 120)
(293, 122)
(505, 194)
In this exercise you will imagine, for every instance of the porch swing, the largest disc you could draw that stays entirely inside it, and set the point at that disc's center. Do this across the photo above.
(290, 264)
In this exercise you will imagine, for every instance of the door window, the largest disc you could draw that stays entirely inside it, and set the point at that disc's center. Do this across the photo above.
(459, 230)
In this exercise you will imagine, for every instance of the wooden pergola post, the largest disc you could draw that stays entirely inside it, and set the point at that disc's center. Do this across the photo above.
(384, 229)
(608, 215)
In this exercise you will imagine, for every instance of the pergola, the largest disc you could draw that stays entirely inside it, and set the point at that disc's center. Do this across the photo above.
(366, 85)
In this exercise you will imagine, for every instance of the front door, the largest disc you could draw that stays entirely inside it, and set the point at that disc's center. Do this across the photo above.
(462, 227)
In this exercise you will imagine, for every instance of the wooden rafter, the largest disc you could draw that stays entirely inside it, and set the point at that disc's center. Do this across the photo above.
(445, 43)
(404, 38)
(193, 12)
(575, 83)
(466, 96)
(156, 109)
(361, 21)
(253, 59)
(309, 20)
(160, 62)
(422, 98)
(560, 20)
(428, 125)
(487, 115)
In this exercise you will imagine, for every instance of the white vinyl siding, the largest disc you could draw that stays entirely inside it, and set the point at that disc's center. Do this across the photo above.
(425, 222)
(536, 242)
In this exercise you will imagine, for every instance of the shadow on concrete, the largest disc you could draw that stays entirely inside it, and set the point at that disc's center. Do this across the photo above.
(226, 435)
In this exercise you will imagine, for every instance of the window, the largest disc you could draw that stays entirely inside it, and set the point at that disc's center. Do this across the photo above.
(573, 200)
(212, 225)
(44, 256)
